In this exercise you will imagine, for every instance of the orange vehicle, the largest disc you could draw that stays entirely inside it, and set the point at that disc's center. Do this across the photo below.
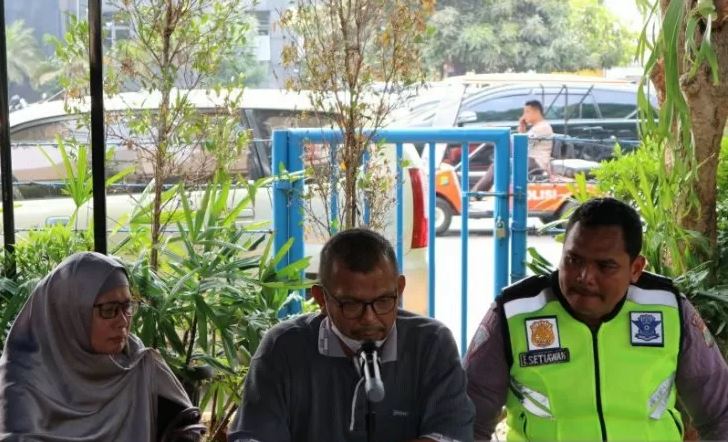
(549, 196)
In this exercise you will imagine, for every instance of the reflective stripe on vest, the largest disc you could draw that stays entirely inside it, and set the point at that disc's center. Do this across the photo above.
(568, 383)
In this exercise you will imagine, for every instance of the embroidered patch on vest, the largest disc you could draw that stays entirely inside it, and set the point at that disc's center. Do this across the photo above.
(544, 357)
(646, 329)
(543, 333)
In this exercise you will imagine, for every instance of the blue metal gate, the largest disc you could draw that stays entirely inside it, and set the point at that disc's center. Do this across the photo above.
(510, 231)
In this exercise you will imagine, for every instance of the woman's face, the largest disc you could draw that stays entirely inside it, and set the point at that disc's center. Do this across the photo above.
(108, 336)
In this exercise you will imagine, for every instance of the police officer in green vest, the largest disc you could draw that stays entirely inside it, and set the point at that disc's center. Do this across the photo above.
(598, 350)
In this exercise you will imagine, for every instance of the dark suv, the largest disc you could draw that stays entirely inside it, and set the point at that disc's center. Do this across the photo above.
(587, 119)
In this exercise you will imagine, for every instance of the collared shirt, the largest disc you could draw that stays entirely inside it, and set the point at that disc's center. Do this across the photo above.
(302, 386)
(329, 346)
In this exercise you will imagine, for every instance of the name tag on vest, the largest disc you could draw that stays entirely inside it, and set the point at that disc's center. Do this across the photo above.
(544, 357)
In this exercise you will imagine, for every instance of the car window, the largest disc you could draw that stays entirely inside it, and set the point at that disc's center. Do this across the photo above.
(615, 104)
(566, 103)
(268, 120)
(504, 108)
(36, 141)
(45, 132)
(585, 110)
(70, 127)
(38, 163)
(580, 105)
(553, 105)
(265, 121)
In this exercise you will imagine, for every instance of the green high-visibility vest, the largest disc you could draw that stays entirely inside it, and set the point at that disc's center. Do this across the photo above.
(616, 383)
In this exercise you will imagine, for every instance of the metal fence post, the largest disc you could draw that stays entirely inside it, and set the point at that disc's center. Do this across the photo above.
(294, 162)
(431, 168)
(400, 207)
(367, 207)
(465, 211)
(281, 189)
(98, 150)
(334, 221)
(520, 207)
(501, 213)
(295, 214)
(287, 216)
(6, 164)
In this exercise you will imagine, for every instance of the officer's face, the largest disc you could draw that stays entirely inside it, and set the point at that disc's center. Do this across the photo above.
(346, 289)
(596, 270)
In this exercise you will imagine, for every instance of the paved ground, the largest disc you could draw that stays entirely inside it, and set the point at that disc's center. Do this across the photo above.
(480, 265)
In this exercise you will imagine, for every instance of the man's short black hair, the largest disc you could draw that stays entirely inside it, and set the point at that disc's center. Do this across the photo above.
(600, 212)
(359, 250)
(536, 105)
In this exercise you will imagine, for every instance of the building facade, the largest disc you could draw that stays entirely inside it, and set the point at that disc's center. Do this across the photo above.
(52, 17)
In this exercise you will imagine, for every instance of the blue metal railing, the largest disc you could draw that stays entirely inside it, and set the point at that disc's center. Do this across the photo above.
(288, 208)
(464, 232)
(519, 230)
(432, 202)
(399, 247)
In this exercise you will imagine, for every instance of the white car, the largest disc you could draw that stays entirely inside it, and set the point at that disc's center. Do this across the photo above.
(38, 204)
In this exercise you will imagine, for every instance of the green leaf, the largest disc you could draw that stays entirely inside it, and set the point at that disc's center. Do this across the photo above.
(202, 312)
(120, 175)
(282, 252)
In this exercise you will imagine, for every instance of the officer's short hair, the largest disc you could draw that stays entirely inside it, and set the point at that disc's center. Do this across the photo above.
(536, 105)
(599, 212)
(359, 250)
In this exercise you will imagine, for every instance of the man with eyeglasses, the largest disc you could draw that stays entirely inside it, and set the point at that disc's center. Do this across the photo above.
(304, 382)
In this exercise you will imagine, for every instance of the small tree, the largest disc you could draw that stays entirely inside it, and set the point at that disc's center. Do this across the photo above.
(526, 35)
(176, 46)
(356, 57)
(25, 61)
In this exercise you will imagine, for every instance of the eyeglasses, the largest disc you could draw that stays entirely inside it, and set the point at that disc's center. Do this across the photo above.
(110, 310)
(351, 309)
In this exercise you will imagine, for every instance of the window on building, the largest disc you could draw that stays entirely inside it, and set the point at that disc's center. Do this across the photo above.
(263, 22)
(115, 29)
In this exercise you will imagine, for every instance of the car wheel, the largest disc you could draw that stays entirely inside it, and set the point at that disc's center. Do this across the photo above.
(567, 208)
(563, 211)
(443, 216)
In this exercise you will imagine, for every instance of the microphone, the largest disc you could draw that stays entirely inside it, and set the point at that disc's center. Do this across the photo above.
(369, 360)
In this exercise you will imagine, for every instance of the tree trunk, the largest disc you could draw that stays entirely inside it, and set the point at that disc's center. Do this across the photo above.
(708, 112)
(708, 106)
(160, 156)
(657, 75)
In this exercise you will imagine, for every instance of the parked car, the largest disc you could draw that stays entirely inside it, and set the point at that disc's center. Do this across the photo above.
(37, 185)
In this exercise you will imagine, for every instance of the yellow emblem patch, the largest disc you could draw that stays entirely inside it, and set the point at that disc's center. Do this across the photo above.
(542, 334)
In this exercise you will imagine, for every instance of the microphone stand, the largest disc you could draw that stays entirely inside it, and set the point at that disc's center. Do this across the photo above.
(371, 421)
(373, 385)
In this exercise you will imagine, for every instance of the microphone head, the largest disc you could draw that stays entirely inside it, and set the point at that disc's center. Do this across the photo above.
(375, 390)
(373, 384)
